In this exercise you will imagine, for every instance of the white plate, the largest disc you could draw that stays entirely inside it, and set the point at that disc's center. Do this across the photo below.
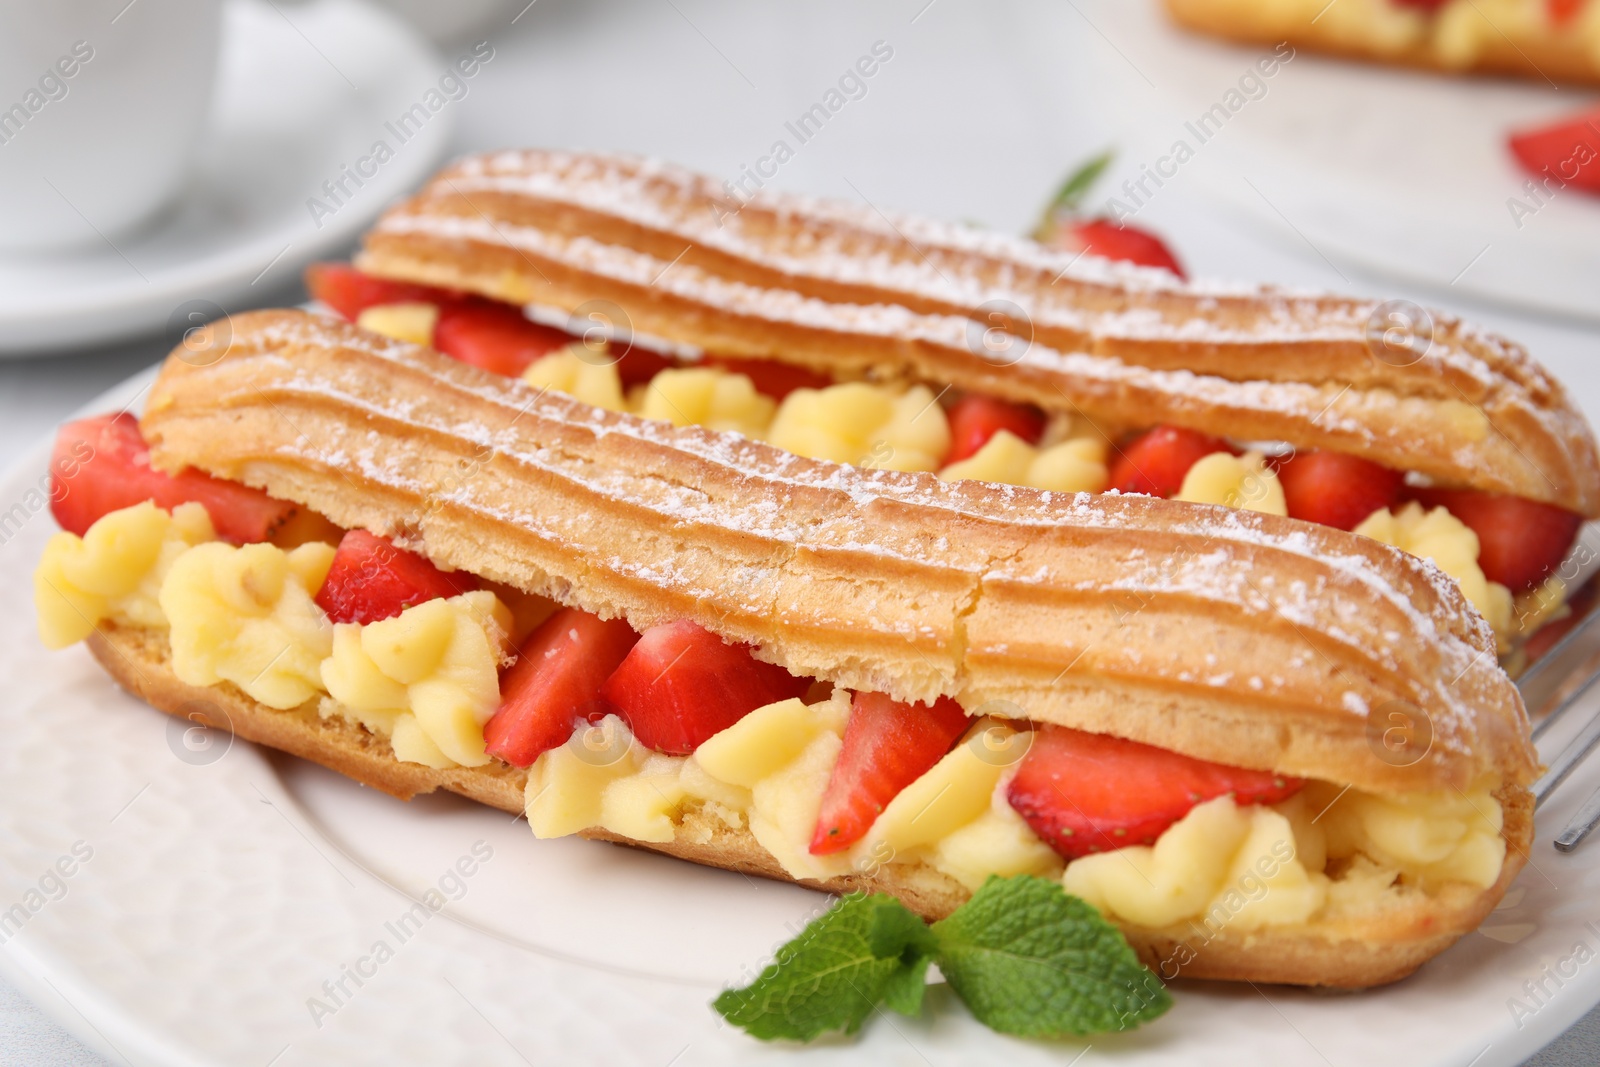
(302, 91)
(227, 884)
(1401, 173)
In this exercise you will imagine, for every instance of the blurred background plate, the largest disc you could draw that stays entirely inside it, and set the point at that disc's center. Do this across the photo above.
(304, 91)
(1399, 173)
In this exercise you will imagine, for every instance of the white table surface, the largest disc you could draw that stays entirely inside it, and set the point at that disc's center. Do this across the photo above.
(975, 117)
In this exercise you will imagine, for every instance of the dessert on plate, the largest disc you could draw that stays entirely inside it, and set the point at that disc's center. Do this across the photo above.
(1544, 39)
(866, 553)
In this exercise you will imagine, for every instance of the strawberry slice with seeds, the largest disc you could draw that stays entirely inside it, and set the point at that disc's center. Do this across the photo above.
(682, 683)
(887, 746)
(1335, 489)
(1155, 462)
(555, 684)
(102, 464)
(372, 579)
(1084, 793)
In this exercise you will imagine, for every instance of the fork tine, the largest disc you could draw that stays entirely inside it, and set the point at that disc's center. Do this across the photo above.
(1569, 701)
(1568, 761)
(1582, 824)
(1547, 675)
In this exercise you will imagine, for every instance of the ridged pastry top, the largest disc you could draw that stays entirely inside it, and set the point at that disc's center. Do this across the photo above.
(1225, 634)
(853, 290)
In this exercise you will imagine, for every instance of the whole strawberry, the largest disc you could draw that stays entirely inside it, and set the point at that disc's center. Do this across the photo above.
(1065, 227)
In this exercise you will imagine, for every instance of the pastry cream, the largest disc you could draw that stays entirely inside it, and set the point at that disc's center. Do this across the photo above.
(428, 680)
(1248, 866)
(575, 371)
(114, 571)
(1450, 543)
(709, 397)
(1236, 482)
(412, 322)
(1072, 466)
(867, 425)
(245, 615)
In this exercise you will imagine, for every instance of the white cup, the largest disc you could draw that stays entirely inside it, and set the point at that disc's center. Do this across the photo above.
(102, 105)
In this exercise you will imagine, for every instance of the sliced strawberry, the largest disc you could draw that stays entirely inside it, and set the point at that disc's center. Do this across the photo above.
(1085, 793)
(496, 337)
(887, 746)
(1113, 240)
(974, 419)
(1155, 462)
(1519, 540)
(555, 683)
(1335, 489)
(772, 378)
(681, 684)
(371, 579)
(350, 292)
(1562, 12)
(102, 464)
(1569, 150)
(637, 364)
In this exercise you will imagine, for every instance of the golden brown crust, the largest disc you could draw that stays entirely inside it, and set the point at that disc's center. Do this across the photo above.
(853, 292)
(1366, 951)
(1225, 635)
(1548, 55)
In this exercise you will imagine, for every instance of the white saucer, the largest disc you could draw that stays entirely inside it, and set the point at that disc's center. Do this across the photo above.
(302, 91)
(1402, 174)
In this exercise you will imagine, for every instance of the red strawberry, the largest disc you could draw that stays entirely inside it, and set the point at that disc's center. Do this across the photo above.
(1519, 540)
(1336, 489)
(887, 746)
(350, 292)
(1084, 793)
(555, 684)
(496, 337)
(371, 579)
(102, 464)
(974, 419)
(772, 378)
(1569, 150)
(681, 684)
(1563, 12)
(1155, 462)
(1114, 240)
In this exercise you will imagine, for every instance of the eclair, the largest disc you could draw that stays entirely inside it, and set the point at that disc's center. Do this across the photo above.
(1541, 39)
(1061, 372)
(1267, 749)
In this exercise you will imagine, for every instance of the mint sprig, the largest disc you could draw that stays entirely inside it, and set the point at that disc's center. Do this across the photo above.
(1031, 960)
(863, 951)
(1025, 957)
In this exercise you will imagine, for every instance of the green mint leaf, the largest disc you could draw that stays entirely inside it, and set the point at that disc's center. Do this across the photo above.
(1029, 959)
(903, 992)
(834, 974)
(1067, 199)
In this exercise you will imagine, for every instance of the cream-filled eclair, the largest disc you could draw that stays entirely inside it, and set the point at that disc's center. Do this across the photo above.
(839, 333)
(1267, 749)
(1541, 39)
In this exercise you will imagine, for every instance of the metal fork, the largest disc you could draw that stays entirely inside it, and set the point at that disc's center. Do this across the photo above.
(1559, 680)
